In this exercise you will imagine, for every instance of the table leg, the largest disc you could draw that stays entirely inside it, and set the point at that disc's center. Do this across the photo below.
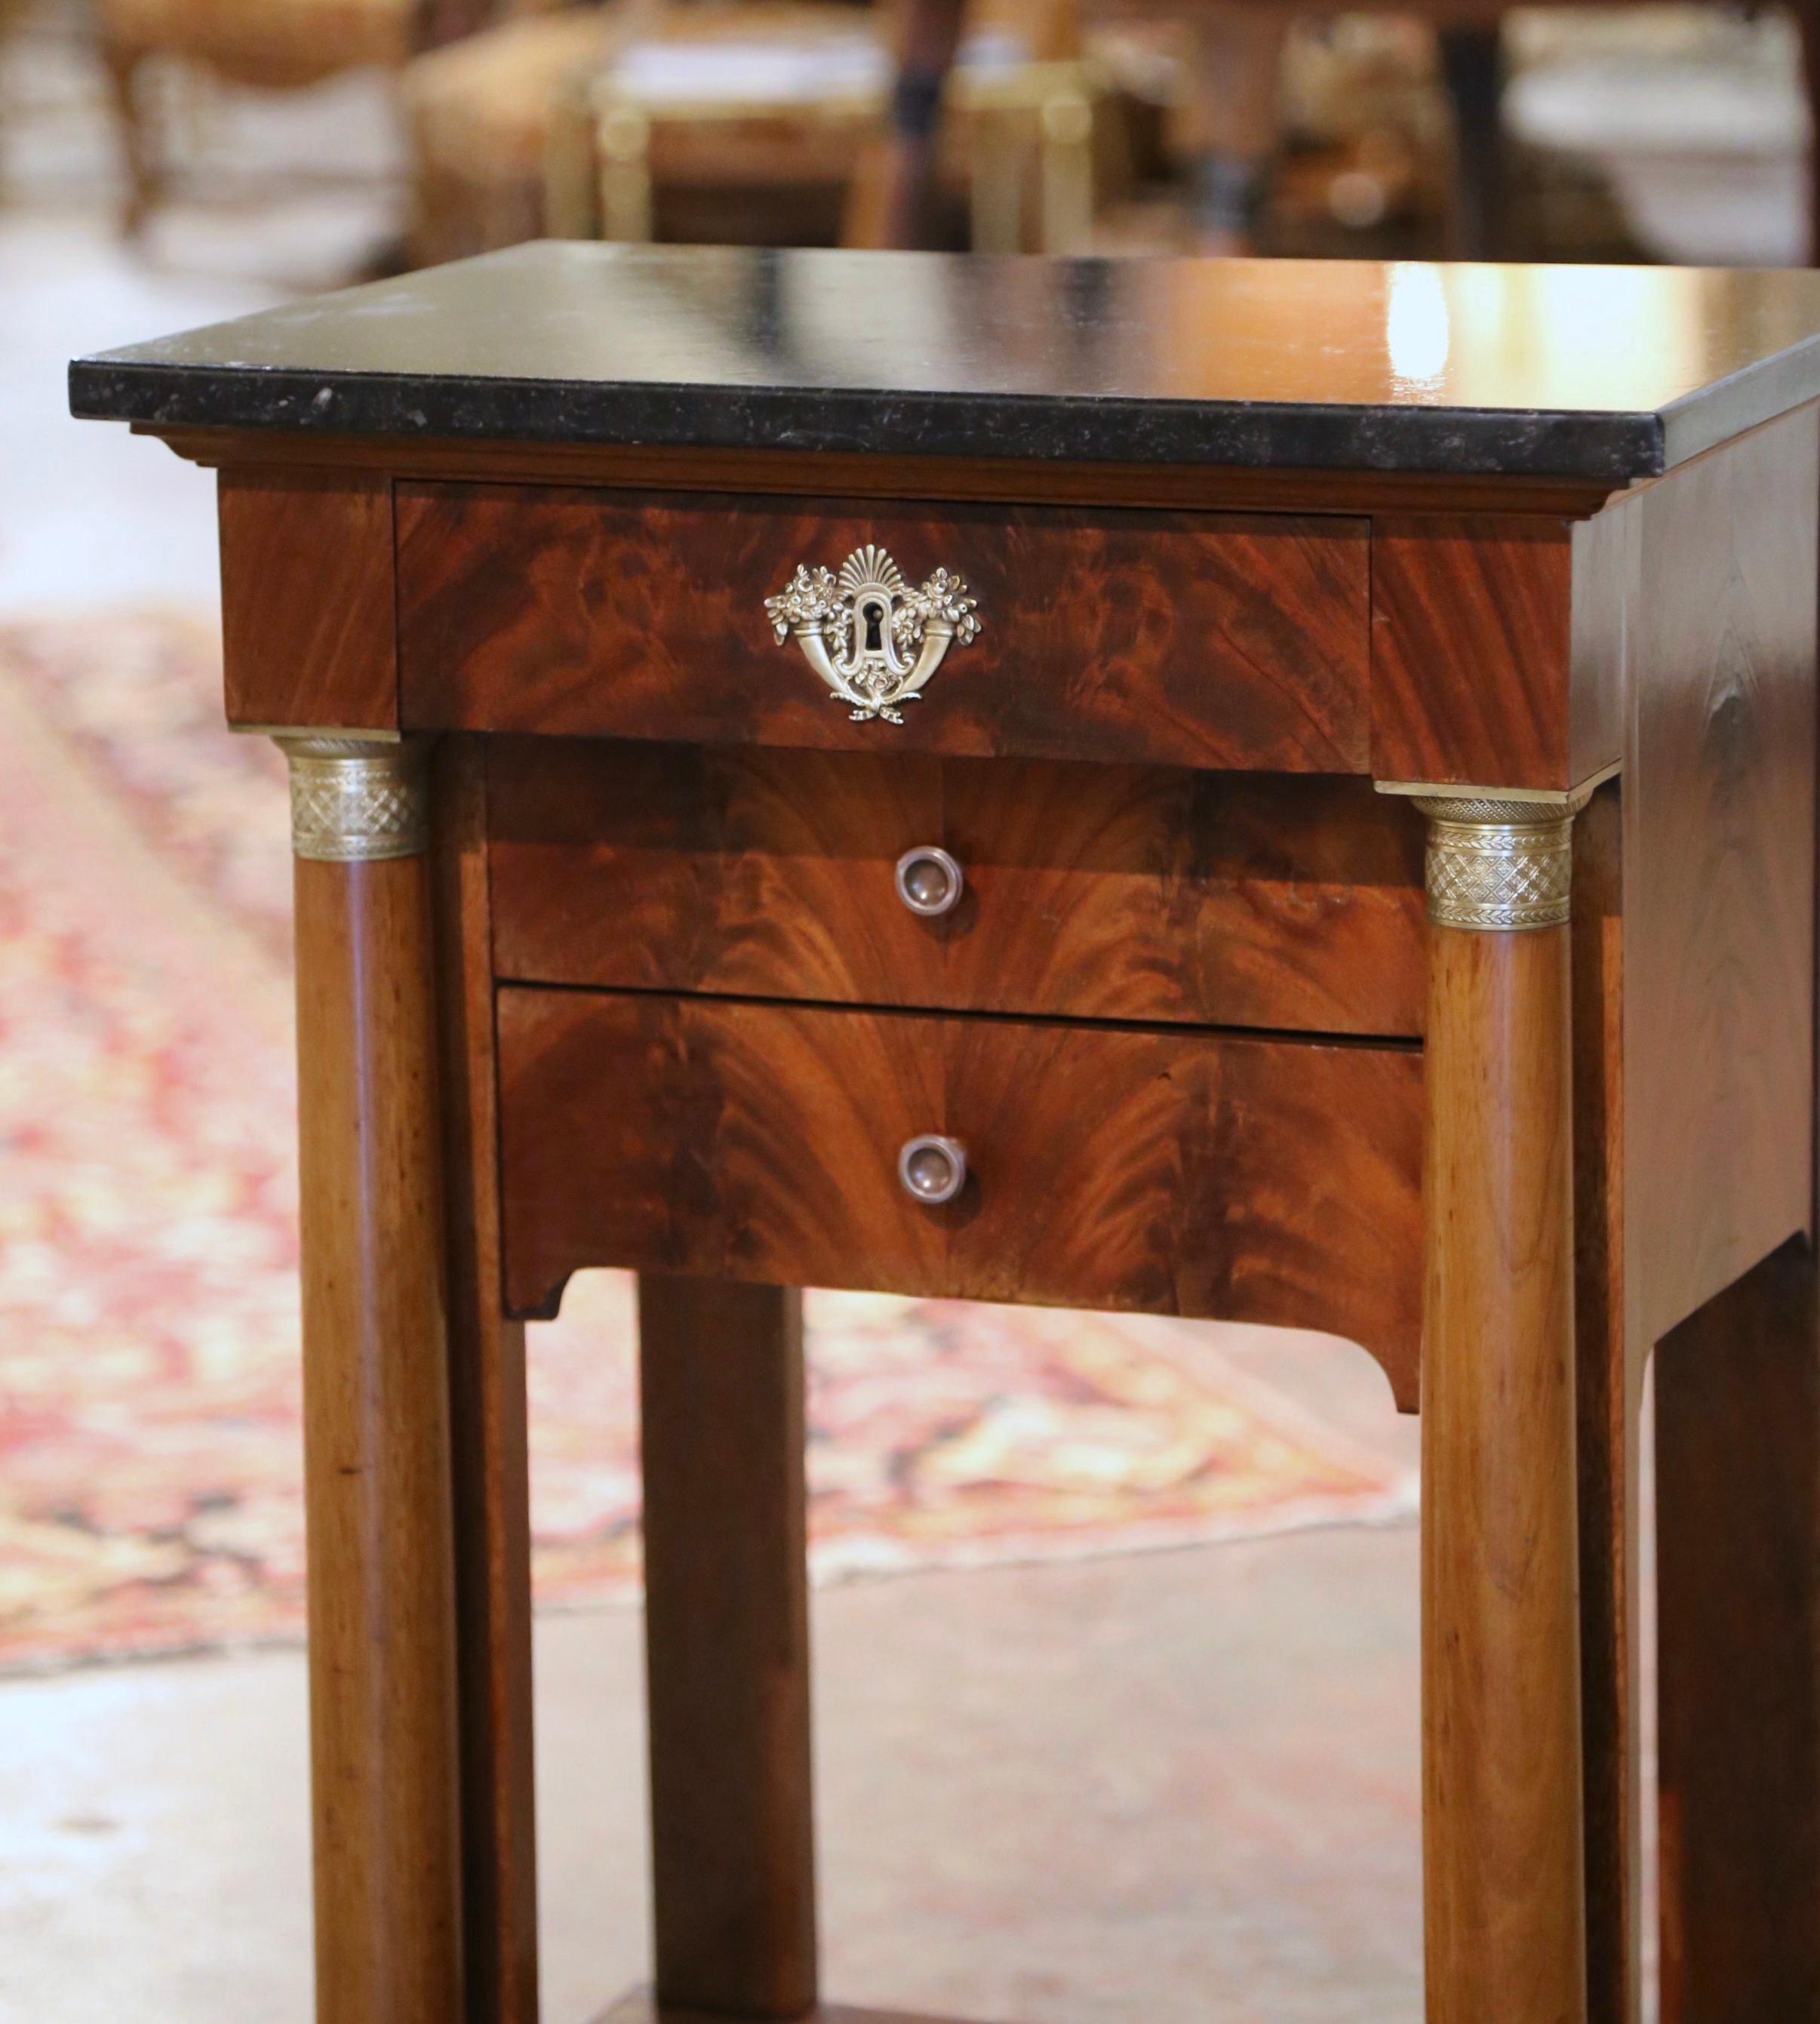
(726, 1626)
(488, 1435)
(1738, 1445)
(1608, 1376)
(382, 1628)
(1502, 1799)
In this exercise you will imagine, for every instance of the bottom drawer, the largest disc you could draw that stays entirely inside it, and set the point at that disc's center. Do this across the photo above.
(1166, 1170)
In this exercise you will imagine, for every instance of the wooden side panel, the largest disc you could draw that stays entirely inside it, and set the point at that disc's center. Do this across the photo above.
(1170, 1172)
(1737, 1446)
(1718, 866)
(1596, 694)
(307, 606)
(1224, 641)
(1092, 891)
(727, 1636)
(1471, 651)
(492, 1529)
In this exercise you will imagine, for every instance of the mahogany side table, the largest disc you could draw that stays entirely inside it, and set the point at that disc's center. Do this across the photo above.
(915, 772)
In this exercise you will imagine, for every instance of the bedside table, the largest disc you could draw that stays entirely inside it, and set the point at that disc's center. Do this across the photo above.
(1274, 792)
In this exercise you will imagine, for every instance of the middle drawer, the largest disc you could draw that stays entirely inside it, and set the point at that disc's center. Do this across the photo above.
(1088, 892)
(1227, 1177)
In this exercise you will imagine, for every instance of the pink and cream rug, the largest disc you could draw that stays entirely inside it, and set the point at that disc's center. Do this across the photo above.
(150, 1462)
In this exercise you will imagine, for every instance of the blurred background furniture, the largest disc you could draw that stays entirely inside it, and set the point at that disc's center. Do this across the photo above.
(1229, 124)
(279, 44)
(754, 123)
(1117, 125)
(480, 114)
(1207, 124)
(743, 119)
(725, 97)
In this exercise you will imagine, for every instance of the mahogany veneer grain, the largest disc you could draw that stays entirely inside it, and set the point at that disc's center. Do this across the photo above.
(1093, 892)
(1221, 641)
(312, 646)
(1171, 1172)
(1470, 630)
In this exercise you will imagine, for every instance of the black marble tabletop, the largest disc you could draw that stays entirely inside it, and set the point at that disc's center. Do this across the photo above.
(1609, 373)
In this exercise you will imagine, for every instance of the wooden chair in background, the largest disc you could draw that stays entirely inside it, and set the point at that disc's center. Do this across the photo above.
(618, 120)
(898, 174)
(1015, 125)
(482, 115)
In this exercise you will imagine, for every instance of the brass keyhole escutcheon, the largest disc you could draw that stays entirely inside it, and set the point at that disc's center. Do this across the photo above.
(872, 637)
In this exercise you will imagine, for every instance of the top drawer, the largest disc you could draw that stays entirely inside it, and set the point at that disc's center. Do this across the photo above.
(1221, 641)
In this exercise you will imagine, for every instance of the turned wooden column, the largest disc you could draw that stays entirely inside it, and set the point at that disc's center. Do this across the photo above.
(381, 1619)
(1502, 1803)
(726, 1631)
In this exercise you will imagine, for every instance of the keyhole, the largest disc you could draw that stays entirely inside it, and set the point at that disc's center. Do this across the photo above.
(873, 615)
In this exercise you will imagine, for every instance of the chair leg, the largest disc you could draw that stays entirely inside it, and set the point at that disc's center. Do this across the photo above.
(1737, 1448)
(1228, 129)
(138, 154)
(1472, 64)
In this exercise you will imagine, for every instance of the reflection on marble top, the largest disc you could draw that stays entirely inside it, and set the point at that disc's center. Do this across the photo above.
(1605, 373)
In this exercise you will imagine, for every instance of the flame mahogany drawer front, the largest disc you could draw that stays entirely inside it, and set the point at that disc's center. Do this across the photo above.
(1125, 1168)
(1227, 641)
(1092, 891)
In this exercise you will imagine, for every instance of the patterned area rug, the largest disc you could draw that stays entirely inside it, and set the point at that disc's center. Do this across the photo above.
(150, 1453)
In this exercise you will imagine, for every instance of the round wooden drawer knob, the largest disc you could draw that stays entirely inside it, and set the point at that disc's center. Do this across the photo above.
(929, 882)
(933, 1171)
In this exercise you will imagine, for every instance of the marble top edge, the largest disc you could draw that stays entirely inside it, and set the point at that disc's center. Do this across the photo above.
(1607, 374)
(1602, 447)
